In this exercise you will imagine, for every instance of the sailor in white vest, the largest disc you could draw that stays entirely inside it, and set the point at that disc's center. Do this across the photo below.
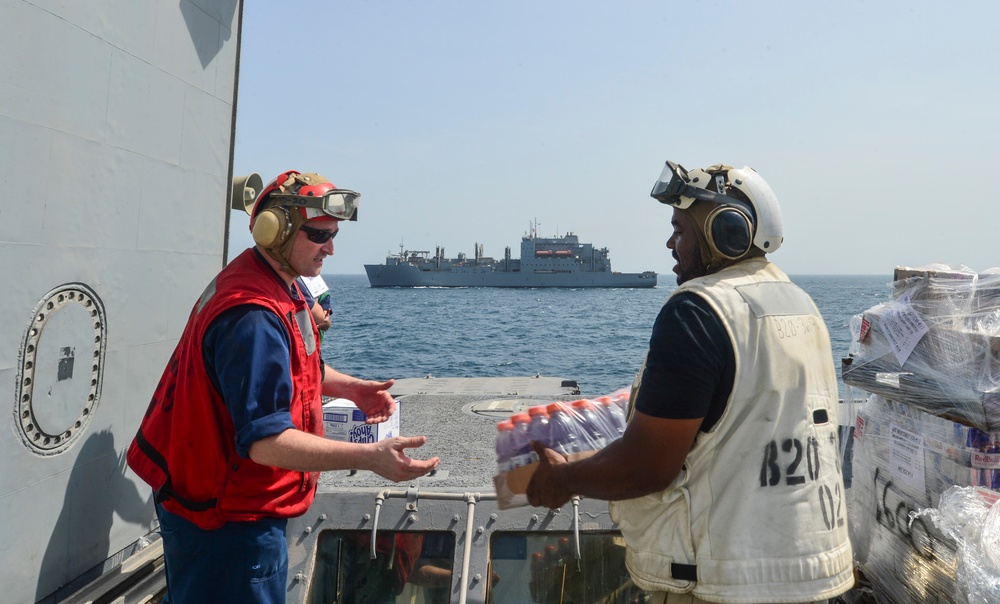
(727, 484)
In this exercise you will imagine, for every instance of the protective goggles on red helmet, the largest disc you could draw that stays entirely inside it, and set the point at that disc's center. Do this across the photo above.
(341, 204)
(673, 184)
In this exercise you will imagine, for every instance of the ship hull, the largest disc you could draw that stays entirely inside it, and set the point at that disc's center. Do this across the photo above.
(404, 275)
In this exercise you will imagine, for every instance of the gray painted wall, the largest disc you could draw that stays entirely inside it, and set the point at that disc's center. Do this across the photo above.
(115, 152)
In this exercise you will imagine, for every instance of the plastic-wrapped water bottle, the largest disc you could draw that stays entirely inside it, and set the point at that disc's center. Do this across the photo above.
(505, 433)
(520, 441)
(620, 397)
(538, 428)
(613, 415)
(564, 434)
(597, 431)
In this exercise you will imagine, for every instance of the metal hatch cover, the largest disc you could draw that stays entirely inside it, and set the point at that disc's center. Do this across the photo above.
(60, 368)
(499, 409)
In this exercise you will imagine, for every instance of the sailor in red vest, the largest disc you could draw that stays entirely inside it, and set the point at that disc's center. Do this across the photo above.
(232, 442)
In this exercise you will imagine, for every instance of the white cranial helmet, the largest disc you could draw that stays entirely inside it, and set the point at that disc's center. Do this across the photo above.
(745, 213)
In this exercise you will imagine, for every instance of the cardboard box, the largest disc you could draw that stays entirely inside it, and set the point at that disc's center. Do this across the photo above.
(342, 420)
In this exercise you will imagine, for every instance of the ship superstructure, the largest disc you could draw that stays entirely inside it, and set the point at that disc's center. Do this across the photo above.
(561, 261)
(112, 114)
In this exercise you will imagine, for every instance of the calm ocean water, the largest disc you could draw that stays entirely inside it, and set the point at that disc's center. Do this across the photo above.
(595, 336)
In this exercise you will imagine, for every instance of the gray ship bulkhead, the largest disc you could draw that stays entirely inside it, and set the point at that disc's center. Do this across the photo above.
(115, 115)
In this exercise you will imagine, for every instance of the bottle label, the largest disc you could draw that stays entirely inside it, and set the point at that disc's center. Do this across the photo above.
(524, 459)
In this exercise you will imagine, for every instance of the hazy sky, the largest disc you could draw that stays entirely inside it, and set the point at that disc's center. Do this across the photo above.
(461, 122)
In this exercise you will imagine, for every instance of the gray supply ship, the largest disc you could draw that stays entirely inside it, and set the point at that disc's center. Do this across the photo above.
(544, 262)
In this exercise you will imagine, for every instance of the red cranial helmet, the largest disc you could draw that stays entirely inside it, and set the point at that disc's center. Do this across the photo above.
(297, 184)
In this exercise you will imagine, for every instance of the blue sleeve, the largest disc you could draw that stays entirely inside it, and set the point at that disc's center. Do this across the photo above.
(690, 366)
(247, 356)
(326, 301)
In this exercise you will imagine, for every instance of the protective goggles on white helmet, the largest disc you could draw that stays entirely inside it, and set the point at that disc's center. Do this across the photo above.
(341, 204)
(673, 189)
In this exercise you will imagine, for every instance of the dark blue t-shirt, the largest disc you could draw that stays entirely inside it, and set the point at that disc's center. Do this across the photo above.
(691, 366)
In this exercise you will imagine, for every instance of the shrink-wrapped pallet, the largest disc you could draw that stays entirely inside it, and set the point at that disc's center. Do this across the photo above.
(970, 517)
(903, 460)
(934, 345)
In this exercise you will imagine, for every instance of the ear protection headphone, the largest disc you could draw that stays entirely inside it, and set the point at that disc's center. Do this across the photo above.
(272, 227)
(729, 227)
(729, 231)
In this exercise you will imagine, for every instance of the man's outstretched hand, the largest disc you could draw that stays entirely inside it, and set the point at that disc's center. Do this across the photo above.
(390, 461)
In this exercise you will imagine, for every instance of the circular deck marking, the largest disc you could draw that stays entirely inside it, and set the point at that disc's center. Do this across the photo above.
(61, 364)
(500, 409)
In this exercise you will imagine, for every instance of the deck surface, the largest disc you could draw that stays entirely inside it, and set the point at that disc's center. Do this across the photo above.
(459, 417)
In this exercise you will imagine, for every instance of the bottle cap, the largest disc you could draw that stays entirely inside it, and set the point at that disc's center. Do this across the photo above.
(620, 395)
(556, 407)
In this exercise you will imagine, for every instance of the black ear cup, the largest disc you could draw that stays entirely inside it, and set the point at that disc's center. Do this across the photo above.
(272, 227)
(729, 232)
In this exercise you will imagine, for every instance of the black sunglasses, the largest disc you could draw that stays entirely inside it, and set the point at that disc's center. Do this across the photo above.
(319, 236)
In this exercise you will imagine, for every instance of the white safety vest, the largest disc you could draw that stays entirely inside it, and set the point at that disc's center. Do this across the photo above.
(758, 512)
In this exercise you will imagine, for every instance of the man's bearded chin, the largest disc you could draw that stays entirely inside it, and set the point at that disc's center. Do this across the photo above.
(687, 271)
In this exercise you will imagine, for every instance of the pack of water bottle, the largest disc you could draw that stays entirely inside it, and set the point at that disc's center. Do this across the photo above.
(571, 428)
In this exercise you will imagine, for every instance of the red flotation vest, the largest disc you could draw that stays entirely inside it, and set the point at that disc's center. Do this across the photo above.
(185, 447)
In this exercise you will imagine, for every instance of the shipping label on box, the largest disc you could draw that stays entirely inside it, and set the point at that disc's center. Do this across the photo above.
(342, 420)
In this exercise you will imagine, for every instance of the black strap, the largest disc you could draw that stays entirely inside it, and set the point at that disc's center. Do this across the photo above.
(195, 506)
(167, 490)
(684, 572)
(150, 452)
